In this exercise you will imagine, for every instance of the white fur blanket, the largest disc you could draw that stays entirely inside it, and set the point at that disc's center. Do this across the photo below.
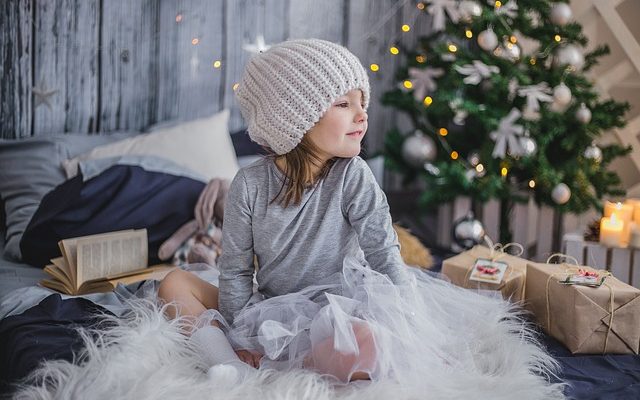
(144, 356)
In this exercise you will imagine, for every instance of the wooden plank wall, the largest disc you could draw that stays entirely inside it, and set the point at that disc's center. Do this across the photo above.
(115, 65)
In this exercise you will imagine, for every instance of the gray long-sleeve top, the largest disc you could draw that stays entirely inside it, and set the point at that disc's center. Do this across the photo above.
(345, 214)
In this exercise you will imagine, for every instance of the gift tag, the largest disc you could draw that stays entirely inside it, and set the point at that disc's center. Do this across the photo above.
(584, 278)
(485, 270)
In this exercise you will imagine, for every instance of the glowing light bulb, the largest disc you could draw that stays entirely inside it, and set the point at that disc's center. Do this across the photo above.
(427, 101)
(468, 33)
(235, 86)
(557, 38)
(453, 48)
(504, 171)
(394, 50)
(407, 84)
(421, 58)
(374, 67)
(479, 167)
(217, 64)
(532, 183)
(454, 155)
(443, 132)
(195, 41)
(406, 28)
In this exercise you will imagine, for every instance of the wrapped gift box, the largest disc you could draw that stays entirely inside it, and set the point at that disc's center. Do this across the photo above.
(459, 268)
(587, 320)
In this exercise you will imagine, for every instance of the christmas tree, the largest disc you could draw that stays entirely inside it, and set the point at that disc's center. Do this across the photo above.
(502, 109)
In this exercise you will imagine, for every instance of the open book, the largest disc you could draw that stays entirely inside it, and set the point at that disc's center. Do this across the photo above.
(97, 263)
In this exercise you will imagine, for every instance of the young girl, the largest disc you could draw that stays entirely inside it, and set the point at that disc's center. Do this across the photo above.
(333, 294)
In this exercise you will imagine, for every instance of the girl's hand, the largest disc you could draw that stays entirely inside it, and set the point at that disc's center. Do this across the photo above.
(249, 357)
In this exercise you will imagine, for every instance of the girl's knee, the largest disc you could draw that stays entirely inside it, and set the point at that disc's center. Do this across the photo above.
(172, 284)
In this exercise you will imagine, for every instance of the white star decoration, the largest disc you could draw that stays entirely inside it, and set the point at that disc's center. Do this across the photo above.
(42, 94)
(258, 47)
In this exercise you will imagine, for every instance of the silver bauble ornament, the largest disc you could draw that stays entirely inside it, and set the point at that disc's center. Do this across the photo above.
(561, 193)
(488, 40)
(583, 114)
(467, 232)
(561, 14)
(469, 9)
(474, 158)
(569, 55)
(418, 149)
(593, 153)
(528, 146)
(562, 94)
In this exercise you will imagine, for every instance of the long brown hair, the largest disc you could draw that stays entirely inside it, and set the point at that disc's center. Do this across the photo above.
(298, 174)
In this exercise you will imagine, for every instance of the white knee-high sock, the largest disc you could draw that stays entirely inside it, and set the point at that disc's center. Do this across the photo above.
(214, 348)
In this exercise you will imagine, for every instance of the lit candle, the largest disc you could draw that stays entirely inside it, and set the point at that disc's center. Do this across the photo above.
(624, 213)
(635, 203)
(611, 231)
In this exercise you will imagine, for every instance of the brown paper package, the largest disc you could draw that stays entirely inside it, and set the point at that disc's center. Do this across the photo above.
(580, 316)
(458, 268)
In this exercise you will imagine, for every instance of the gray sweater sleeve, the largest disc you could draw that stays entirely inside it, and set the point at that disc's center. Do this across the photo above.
(236, 261)
(367, 210)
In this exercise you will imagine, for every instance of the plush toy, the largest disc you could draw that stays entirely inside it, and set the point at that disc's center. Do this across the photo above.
(199, 240)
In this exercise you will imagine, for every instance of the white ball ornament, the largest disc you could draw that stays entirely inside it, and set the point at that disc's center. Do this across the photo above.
(561, 193)
(418, 149)
(583, 114)
(561, 14)
(562, 94)
(593, 153)
(469, 9)
(528, 146)
(488, 40)
(569, 55)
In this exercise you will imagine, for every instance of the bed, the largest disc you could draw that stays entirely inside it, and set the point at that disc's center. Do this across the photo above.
(36, 324)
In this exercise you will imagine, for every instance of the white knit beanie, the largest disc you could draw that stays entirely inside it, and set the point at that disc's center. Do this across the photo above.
(288, 88)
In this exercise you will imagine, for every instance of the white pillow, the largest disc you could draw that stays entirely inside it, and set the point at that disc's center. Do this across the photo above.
(203, 145)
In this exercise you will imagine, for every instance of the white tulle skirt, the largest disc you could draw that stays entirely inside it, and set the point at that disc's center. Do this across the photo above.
(423, 329)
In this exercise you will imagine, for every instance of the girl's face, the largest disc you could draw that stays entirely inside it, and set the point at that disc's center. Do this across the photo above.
(340, 130)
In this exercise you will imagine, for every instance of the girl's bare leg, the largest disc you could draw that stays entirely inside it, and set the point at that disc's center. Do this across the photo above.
(325, 359)
(189, 295)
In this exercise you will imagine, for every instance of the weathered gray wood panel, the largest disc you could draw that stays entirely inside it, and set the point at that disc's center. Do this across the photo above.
(188, 84)
(129, 64)
(15, 67)
(245, 20)
(66, 60)
(315, 19)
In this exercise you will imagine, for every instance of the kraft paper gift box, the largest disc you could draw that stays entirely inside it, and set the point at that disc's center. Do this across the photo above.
(460, 267)
(587, 320)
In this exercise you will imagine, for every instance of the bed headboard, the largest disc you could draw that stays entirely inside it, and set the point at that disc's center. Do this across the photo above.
(92, 66)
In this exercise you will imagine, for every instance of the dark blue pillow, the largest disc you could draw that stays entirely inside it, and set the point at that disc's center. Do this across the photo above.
(121, 197)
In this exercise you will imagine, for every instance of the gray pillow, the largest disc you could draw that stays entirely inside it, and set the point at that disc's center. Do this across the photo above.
(31, 167)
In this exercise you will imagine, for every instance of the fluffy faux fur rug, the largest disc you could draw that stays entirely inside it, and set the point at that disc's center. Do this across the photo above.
(144, 356)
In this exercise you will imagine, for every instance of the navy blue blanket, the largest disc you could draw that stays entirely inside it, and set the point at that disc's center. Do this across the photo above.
(47, 331)
(121, 197)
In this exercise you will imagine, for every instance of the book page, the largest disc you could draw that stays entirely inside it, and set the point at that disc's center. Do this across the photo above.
(111, 254)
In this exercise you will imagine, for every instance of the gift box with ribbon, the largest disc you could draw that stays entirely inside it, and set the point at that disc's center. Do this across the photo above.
(588, 310)
(475, 268)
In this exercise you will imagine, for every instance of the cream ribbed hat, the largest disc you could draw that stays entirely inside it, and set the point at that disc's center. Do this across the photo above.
(288, 88)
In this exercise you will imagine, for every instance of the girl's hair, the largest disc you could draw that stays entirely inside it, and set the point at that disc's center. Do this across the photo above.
(298, 175)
